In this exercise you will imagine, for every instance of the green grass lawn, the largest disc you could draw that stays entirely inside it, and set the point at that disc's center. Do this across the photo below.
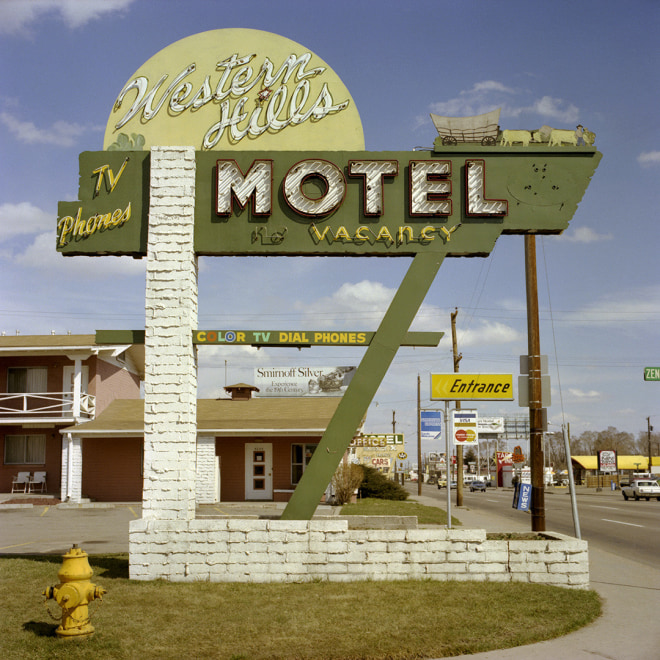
(426, 515)
(394, 620)
(309, 621)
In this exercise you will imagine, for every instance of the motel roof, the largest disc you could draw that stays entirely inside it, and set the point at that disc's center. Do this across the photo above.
(266, 417)
(82, 346)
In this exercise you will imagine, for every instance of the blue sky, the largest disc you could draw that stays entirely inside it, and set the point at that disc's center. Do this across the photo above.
(63, 63)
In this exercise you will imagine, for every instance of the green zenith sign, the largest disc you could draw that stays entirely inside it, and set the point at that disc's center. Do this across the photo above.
(454, 201)
(651, 373)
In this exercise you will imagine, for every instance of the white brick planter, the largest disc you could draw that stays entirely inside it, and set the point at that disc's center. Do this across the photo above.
(241, 550)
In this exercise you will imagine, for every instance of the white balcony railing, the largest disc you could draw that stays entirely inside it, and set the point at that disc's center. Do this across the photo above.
(45, 405)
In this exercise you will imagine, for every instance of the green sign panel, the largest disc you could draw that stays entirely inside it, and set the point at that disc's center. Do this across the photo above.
(651, 373)
(306, 338)
(453, 201)
(111, 216)
(274, 337)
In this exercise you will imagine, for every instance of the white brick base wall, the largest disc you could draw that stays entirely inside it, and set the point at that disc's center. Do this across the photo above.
(237, 550)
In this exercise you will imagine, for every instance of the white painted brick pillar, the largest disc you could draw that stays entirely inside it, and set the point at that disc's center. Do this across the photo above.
(71, 475)
(170, 387)
(207, 487)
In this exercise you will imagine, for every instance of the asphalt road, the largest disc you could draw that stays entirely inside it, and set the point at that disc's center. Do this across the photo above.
(628, 529)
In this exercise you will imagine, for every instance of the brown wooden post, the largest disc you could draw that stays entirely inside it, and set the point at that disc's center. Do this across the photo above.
(535, 404)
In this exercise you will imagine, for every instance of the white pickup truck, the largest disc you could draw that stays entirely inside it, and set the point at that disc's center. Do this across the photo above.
(641, 488)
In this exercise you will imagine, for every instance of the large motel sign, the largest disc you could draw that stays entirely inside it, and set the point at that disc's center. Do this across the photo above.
(280, 169)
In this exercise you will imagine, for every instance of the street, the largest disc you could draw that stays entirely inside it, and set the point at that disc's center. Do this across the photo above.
(628, 529)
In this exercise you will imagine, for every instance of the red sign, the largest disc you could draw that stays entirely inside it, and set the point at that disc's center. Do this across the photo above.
(518, 456)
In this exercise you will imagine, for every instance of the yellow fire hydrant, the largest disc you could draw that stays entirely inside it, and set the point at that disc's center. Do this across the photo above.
(74, 593)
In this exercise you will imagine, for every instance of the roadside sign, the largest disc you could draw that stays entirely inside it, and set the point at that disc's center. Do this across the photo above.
(522, 497)
(402, 455)
(470, 387)
(491, 425)
(651, 373)
(523, 391)
(431, 424)
(380, 462)
(464, 426)
(607, 460)
(524, 364)
(518, 456)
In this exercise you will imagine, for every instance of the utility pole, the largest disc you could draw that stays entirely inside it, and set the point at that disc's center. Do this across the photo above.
(535, 394)
(419, 439)
(459, 448)
(395, 474)
(649, 428)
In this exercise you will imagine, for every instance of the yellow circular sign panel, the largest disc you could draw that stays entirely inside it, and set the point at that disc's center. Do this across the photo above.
(235, 89)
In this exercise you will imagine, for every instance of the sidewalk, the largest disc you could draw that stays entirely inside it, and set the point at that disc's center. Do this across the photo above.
(627, 629)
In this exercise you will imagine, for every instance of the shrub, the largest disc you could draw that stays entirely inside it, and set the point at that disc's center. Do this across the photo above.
(345, 480)
(375, 484)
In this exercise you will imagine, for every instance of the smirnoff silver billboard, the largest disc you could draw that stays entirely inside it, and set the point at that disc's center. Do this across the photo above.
(302, 381)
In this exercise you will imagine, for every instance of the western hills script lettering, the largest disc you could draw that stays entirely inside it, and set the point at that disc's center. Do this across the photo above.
(236, 80)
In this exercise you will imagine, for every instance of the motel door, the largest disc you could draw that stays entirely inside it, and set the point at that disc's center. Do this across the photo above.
(259, 471)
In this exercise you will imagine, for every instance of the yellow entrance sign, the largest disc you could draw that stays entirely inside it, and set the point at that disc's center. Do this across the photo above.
(485, 387)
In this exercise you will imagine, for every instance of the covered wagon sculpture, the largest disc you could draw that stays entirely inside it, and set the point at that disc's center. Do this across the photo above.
(483, 129)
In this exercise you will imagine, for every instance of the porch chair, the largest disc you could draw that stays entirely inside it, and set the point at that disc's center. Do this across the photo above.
(38, 481)
(20, 482)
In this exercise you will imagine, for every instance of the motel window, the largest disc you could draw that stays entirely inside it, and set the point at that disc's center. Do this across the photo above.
(27, 380)
(25, 449)
(300, 457)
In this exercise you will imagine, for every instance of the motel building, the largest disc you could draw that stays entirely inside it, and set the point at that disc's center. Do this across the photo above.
(71, 408)
(49, 383)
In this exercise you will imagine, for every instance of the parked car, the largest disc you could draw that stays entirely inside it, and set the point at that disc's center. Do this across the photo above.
(477, 485)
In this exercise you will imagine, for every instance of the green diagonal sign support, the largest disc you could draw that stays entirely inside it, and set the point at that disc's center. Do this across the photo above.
(363, 386)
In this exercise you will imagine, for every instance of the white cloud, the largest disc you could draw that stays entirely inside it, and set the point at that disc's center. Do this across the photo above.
(584, 235)
(581, 394)
(60, 133)
(42, 256)
(482, 97)
(641, 306)
(490, 94)
(16, 16)
(23, 218)
(649, 158)
(488, 334)
(553, 108)
(363, 300)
